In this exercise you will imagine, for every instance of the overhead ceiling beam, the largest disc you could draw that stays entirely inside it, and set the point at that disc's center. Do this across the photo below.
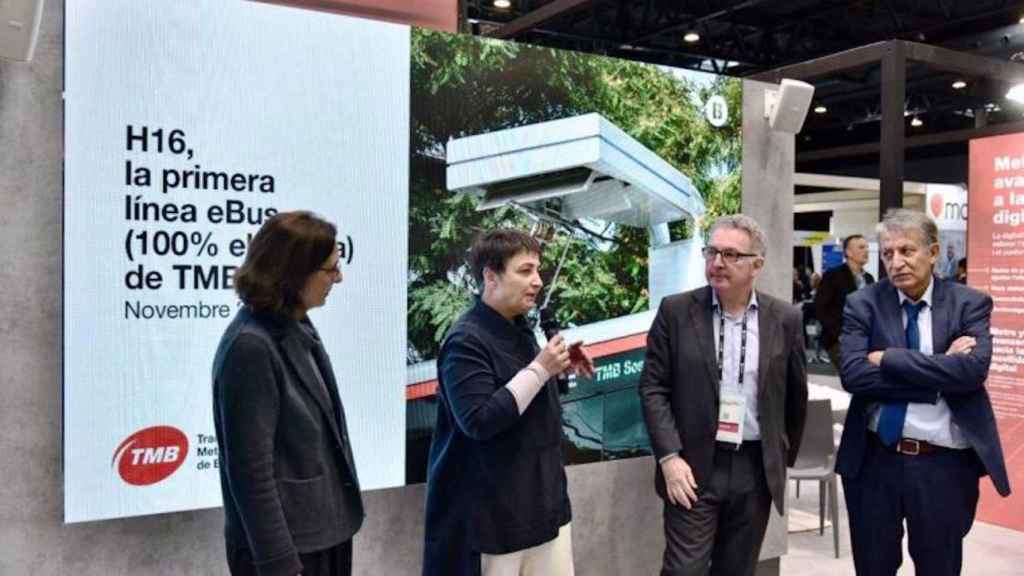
(852, 58)
(530, 20)
(949, 137)
(811, 180)
(694, 21)
(933, 56)
(965, 63)
(615, 47)
(932, 84)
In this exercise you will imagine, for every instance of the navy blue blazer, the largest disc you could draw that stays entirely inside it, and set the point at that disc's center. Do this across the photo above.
(872, 320)
(495, 479)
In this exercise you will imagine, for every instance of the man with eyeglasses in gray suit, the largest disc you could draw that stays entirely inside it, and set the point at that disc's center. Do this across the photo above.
(724, 392)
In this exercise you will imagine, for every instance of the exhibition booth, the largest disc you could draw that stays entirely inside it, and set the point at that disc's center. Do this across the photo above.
(148, 141)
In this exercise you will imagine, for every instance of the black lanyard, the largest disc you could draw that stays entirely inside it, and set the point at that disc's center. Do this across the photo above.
(721, 345)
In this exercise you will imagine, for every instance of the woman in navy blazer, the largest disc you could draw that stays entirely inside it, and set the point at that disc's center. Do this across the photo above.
(291, 494)
(497, 497)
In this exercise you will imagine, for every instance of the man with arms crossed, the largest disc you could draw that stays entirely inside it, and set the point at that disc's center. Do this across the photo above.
(920, 429)
(836, 285)
(724, 392)
(497, 502)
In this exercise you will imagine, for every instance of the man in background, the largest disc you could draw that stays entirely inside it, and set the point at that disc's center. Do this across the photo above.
(949, 268)
(836, 285)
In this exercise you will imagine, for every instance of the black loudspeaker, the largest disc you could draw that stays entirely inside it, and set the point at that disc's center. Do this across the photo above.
(19, 28)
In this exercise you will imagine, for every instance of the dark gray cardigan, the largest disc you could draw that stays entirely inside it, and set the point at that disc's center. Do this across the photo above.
(286, 468)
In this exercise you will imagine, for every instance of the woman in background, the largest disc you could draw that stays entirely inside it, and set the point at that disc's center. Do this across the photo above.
(291, 494)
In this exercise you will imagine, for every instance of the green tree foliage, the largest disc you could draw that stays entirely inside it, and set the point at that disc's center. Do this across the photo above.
(463, 85)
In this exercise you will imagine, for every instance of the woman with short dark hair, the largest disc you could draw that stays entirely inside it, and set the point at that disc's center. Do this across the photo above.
(288, 478)
(497, 497)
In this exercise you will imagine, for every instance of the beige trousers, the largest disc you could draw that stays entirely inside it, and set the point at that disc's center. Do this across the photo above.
(552, 558)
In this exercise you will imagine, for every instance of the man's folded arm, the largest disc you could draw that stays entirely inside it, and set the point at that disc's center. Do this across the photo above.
(949, 374)
(859, 376)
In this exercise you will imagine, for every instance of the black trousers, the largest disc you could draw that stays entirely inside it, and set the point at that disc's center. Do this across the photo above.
(721, 534)
(936, 494)
(336, 561)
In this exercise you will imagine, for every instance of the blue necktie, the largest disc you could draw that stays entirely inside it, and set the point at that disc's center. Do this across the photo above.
(890, 421)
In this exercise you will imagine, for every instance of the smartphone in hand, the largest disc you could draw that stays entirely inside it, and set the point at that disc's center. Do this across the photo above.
(582, 363)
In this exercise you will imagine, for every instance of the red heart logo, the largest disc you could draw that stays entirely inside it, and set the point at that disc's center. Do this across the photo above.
(936, 205)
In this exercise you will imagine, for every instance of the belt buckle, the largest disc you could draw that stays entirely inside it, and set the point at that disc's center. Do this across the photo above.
(909, 442)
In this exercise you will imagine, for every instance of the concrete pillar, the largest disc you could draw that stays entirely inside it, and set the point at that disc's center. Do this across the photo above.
(768, 162)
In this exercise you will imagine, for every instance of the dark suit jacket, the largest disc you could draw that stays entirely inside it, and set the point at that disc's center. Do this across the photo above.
(286, 469)
(679, 386)
(830, 299)
(873, 321)
(495, 483)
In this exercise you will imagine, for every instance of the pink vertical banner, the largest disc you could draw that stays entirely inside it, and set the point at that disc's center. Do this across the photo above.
(995, 264)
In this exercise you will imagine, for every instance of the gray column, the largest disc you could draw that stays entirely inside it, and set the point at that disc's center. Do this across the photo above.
(768, 162)
(894, 91)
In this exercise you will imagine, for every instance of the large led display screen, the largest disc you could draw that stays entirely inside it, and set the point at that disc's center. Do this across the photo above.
(187, 125)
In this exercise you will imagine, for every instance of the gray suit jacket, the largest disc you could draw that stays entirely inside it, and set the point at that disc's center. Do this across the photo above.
(679, 386)
(287, 474)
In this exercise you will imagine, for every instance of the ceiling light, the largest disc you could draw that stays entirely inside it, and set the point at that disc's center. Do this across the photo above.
(691, 37)
(959, 85)
(1021, 21)
(820, 109)
(1016, 93)
(916, 122)
(502, 3)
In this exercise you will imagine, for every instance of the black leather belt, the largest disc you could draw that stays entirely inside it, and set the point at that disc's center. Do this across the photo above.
(912, 446)
(747, 445)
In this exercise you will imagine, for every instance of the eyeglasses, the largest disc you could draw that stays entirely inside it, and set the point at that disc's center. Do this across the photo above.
(335, 271)
(728, 256)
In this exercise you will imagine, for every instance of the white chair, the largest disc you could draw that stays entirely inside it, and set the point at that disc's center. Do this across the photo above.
(816, 461)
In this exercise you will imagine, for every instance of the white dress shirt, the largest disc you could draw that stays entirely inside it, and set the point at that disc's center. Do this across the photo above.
(731, 359)
(932, 423)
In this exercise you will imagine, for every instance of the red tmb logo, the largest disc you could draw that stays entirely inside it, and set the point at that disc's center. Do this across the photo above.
(150, 455)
